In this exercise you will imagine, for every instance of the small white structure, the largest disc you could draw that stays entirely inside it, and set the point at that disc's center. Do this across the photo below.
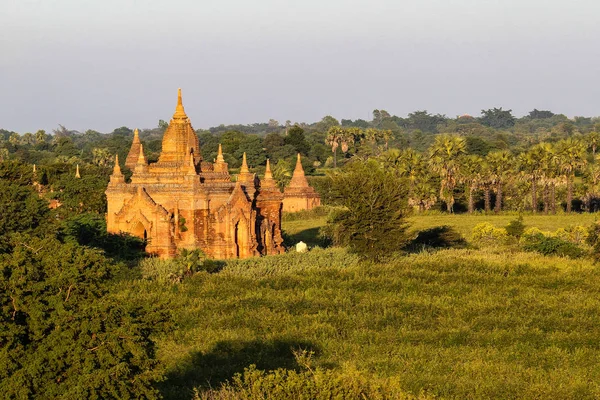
(301, 247)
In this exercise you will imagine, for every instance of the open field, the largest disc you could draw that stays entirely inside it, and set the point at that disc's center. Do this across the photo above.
(305, 229)
(490, 323)
(464, 223)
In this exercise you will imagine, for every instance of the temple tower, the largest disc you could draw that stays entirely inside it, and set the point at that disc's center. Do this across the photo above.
(299, 195)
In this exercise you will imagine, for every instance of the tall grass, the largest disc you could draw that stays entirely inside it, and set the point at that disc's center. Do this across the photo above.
(494, 323)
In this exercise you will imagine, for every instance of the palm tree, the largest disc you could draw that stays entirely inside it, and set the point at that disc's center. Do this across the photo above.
(570, 157)
(548, 175)
(471, 175)
(592, 180)
(444, 159)
(499, 167)
(333, 139)
(530, 165)
(592, 140)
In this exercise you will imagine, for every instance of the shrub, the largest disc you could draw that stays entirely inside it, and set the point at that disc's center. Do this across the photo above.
(516, 227)
(487, 234)
(552, 245)
(438, 237)
(308, 383)
(372, 223)
(175, 270)
(593, 239)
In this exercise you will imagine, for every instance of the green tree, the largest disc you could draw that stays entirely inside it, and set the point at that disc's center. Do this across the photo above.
(372, 223)
(570, 154)
(530, 165)
(296, 138)
(497, 118)
(22, 211)
(593, 139)
(333, 140)
(252, 145)
(500, 163)
(444, 159)
(470, 173)
(62, 335)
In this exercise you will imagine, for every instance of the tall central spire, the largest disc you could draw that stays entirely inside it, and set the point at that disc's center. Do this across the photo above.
(179, 110)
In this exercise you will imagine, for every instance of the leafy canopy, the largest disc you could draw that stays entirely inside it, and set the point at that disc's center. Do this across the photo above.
(372, 222)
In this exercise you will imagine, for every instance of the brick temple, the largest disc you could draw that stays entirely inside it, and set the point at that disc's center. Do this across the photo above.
(182, 201)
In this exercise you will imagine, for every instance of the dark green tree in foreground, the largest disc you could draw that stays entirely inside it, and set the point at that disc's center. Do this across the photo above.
(62, 335)
(373, 222)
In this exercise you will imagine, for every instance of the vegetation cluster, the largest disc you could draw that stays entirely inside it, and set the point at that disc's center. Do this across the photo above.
(411, 301)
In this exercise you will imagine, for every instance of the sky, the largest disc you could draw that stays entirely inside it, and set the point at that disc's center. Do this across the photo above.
(102, 64)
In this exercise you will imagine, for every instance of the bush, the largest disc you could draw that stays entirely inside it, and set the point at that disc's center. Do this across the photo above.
(316, 212)
(175, 270)
(308, 383)
(372, 223)
(487, 234)
(516, 227)
(551, 245)
(444, 237)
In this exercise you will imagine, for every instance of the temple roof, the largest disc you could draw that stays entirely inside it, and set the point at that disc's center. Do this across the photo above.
(134, 151)
(298, 178)
(180, 138)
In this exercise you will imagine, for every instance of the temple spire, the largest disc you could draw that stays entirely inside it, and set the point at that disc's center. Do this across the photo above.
(134, 151)
(220, 154)
(299, 169)
(298, 178)
(117, 176)
(244, 168)
(179, 110)
(141, 157)
(77, 175)
(268, 181)
(136, 136)
(268, 174)
(117, 168)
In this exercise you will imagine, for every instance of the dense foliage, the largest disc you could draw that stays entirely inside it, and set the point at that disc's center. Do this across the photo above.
(540, 162)
(372, 220)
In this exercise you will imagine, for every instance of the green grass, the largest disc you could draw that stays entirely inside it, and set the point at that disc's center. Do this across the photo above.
(305, 229)
(464, 224)
(463, 324)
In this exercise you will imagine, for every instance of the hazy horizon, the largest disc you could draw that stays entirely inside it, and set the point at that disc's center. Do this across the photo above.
(105, 64)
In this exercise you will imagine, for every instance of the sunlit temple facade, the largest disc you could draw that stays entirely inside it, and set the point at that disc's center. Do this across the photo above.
(183, 201)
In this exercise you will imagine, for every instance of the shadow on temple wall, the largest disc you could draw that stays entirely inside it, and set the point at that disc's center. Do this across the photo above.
(225, 359)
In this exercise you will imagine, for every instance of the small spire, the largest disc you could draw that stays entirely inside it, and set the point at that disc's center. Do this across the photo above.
(244, 168)
(179, 110)
(299, 168)
(141, 157)
(268, 174)
(34, 169)
(136, 136)
(77, 175)
(191, 166)
(117, 168)
(268, 181)
(220, 154)
(298, 178)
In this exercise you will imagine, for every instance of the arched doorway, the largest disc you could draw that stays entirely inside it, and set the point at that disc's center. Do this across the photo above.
(140, 231)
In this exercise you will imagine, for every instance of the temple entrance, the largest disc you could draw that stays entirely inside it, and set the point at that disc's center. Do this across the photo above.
(140, 231)
(241, 239)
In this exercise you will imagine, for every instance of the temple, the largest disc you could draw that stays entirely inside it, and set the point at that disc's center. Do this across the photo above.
(182, 201)
(299, 195)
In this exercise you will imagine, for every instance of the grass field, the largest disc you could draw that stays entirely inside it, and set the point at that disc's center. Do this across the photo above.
(306, 229)
(460, 324)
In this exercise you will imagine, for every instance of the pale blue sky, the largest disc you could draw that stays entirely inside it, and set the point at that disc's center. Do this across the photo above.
(101, 64)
